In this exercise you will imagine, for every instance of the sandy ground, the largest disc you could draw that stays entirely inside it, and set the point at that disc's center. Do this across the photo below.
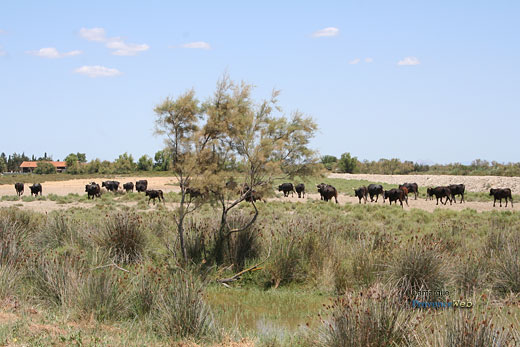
(78, 186)
(473, 183)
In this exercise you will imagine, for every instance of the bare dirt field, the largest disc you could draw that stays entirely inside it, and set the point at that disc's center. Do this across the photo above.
(167, 184)
(473, 183)
(77, 186)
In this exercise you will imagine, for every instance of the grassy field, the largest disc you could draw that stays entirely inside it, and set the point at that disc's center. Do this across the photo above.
(112, 276)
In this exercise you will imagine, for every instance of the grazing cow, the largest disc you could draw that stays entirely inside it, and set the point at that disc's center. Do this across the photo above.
(457, 189)
(253, 196)
(129, 186)
(19, 188)
(194, 193)
(499, 194)
(327, 192)
(111, 186)
(300, 189)
(393, 195)
(440, 192)
(154, 194)
(141, 186)
(375, 189)
(405, 191)
(361, 193)
(243, 188)
(93, 190)
(286, 188)
(412, 188)
(35, 189)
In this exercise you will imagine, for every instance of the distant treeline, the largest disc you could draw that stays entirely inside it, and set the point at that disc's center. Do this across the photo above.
(77, 163)
(348, 164)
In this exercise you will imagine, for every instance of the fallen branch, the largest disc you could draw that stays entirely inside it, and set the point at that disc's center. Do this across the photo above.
(114, 265)
(237, 276)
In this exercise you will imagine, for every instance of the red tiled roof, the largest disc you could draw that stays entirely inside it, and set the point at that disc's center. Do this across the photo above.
(34, 164)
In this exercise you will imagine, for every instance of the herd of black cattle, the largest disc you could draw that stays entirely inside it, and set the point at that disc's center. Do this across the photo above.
(327, 192)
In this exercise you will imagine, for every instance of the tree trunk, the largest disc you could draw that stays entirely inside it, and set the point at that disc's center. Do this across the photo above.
(180, 227)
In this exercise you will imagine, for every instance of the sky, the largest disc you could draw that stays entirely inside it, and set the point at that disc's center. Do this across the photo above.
(428, 81)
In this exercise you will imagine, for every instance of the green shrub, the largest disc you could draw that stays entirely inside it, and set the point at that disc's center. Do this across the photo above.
(371, 318)
(181, 311)
(419, 265)
(506, 270)
(475, 329)
(123, 237)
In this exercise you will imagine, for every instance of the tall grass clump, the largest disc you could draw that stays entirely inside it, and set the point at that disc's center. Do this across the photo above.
(58, 231)
(471, 273)
(13, 234)
(467, 328)
(100, 294)
(9, 280)
(371, 318)
(506, 270)
(55, 279)
(123, 237)
(181, 311)
(242, 246)
(419, 265)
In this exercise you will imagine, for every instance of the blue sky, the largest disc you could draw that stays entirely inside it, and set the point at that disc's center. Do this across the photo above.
(431, 81)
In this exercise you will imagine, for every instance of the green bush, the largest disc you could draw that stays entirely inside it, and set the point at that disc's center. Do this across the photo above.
(123, 237)
(372, 318)
(44, 168)
(181, 311)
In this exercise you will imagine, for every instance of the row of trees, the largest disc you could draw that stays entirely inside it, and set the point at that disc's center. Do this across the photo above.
(349, 164)
(77, 163)
(12, 162)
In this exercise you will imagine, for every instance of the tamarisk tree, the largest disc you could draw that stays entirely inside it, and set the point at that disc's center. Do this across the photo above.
(231, 143)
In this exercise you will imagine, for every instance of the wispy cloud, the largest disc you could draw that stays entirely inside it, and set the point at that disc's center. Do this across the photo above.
(53, 53)
(355, 61)
(116, 44)
(326, 32)
(197, 45)
(2, 51)
(3, 32)
(93, 34)
(97, 71)
(408, 61)
(369, 60)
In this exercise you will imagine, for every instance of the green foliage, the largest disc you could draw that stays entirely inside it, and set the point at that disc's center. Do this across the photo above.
(44, 167)
(181, 311)
(3, 163)
(346, 163)
(123, 238)
(329, 161)
(162, 160)
(371, 318)
(145, 163)
(124, 164)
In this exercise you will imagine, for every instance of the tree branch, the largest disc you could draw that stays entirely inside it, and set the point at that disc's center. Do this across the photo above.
(237, 276)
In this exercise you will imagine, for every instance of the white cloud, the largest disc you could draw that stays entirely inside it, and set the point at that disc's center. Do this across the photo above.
(369, 60)
(2, 52)
(94, 34)
(97, 71)
(197, 45)
(326, 32)
(122, 48)
(52, 53)
(2, 32)
(409, 61)
(355, 61)
(117, 44)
